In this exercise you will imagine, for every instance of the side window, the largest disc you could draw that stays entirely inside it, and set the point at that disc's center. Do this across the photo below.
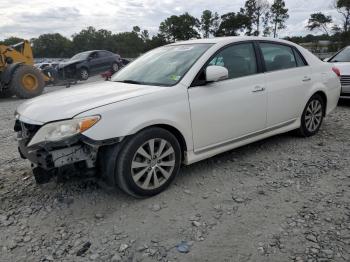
(94, 55)
(277, 57)
(239, 60)
(104, 54)
(300, 60)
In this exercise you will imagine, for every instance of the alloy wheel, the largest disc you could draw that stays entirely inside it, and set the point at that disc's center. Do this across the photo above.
(84, 74)
(153, 164)
(115, 67)
(313, 116)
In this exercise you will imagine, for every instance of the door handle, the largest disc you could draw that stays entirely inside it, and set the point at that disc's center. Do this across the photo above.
(306, 79)
(258, 89)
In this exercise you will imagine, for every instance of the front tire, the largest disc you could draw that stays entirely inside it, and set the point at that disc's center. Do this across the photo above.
(83, 74)
(148, 162)
(312, 117)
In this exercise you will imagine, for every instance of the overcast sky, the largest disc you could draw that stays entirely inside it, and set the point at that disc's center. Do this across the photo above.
(31, 18)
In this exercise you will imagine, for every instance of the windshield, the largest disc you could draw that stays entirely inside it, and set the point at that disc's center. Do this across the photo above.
(342, 56)
(80, 56)
(164, 66)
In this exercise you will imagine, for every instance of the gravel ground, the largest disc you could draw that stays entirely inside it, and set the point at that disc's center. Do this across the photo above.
(281, 199)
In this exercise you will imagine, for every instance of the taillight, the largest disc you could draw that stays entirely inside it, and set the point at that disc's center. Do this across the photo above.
(336, 71)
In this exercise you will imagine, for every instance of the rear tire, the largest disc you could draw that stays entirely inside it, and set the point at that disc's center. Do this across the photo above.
(312, 116)
(147, 162)
(115, 67)
(27, 82)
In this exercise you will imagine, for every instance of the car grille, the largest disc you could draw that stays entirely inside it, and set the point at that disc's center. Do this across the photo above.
(25, 130)
(345, 80)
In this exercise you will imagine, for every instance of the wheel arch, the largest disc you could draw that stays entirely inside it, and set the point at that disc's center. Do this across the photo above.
(83, 66)
(323, 95)
(173, 130)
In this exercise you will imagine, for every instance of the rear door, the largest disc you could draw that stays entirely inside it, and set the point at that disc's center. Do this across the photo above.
(288, 78)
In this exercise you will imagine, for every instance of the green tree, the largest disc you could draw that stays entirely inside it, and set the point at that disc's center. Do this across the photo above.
(343, 7)
(181, 27)
(232, 23)
(209, 23)
(345, 38)
(128, 44)
(319, 21)
(12, 40)
(256, 11)
(278, 15)
(156, 41)
(91, 39)
(136, 29)
(144, 35)
(52, 46)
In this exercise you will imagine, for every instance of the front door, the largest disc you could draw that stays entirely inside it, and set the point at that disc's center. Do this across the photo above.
(234, 108)
(96, 63)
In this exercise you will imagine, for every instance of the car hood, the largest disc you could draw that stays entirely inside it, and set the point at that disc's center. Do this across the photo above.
(344, 67)
(70, 62)
(68, 103)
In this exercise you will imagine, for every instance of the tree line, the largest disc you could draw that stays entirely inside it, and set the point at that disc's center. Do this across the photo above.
(255, 18)
(339, 35)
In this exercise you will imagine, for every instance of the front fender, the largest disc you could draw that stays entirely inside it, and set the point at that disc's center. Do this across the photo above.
(82, 65)
(130, 116)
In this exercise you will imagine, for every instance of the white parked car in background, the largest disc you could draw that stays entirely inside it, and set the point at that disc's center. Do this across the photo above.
(341, 61)
(177, 104)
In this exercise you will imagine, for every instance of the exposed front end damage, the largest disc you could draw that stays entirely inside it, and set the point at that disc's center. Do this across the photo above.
(77, 154)
(68, 71)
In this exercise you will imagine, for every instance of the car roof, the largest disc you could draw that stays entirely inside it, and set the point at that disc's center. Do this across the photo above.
(231, 39)
(223, 41)
(91, 51)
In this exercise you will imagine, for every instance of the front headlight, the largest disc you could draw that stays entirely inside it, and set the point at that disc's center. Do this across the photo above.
(58, 131)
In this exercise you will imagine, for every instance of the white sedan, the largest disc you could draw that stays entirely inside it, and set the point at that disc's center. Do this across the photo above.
(177, 104)
(341, 61)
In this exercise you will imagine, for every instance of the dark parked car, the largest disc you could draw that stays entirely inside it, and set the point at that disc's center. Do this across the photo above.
(85, 64)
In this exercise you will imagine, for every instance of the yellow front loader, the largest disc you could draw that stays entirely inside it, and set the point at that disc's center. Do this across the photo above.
(18, 76)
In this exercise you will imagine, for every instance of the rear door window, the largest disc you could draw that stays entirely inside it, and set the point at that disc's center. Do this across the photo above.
(300, 60)
(277, 57)
(105, 54)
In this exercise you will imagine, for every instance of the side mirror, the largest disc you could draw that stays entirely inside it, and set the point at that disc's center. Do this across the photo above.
(216, 73)
(90, 58)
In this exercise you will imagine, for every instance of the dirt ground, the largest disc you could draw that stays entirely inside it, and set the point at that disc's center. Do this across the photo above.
(281, 199)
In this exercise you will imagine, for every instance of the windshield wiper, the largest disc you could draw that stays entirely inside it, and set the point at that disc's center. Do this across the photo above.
(131, 82)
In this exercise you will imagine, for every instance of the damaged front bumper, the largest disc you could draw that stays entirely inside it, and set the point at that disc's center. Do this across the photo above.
(78, 152)
(54, 155)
